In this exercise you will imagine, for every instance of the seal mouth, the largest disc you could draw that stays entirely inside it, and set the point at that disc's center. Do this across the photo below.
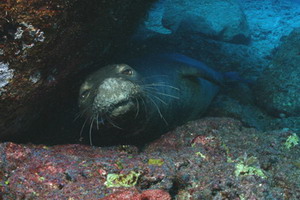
(120, 108)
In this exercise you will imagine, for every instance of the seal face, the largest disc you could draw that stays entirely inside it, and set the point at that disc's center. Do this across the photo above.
(110, 92)
(149, 95)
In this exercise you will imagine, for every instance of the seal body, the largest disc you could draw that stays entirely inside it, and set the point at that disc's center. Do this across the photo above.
(150, 95)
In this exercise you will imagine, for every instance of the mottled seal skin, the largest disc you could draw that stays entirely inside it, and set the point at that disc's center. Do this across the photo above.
(148, 96)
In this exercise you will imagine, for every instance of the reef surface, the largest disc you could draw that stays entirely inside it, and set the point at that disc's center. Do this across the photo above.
(212, 158)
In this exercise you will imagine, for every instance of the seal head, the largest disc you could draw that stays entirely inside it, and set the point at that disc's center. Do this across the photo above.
(110, 92)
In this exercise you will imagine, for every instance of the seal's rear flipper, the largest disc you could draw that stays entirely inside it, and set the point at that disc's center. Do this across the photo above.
(194, 73)
(196, 69)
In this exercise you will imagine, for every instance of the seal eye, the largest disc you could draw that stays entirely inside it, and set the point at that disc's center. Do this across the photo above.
(127, 72)
(85, 94)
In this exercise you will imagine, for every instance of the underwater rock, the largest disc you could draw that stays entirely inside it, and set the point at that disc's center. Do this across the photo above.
(45, 44)
(133, 194)
(277, 90)
(248, 114)
(220, 19)
(211, 158)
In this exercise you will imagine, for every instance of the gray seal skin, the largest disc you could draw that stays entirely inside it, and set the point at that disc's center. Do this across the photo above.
(148, 96)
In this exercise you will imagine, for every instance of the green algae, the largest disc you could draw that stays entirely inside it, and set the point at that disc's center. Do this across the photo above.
(248, 167)
(157, 162)
(245, 170)
(200, 155)
(291, 141)
(122, 180)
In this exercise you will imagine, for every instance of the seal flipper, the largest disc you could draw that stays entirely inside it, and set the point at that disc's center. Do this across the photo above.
(198, 69)
(195, 73)
(194, 69)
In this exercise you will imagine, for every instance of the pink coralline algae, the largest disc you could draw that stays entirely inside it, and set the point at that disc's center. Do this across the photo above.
(199, 160)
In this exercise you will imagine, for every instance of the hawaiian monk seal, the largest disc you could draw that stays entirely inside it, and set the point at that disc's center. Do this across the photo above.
(149, 95)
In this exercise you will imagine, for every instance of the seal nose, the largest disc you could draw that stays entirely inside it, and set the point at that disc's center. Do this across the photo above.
(113, 91)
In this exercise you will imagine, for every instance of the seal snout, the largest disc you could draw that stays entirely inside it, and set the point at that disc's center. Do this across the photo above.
(115, 96)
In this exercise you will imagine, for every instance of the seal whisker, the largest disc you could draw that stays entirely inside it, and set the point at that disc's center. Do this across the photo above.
(164, 94)
(143, 101)
(150, 93)
(97, 121)
(111, 122)
(163, 84)
(158, 110)
(81, 130)
(147, 113)
(90, 131)
(137, 107)
(160, 85)
(167, 95)
(80, 114)
(77, 116)
(102, 119)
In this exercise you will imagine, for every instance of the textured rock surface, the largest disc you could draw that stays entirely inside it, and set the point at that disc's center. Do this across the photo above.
(278, 88)
(223, 20)
(213, 158)
(45, 43)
